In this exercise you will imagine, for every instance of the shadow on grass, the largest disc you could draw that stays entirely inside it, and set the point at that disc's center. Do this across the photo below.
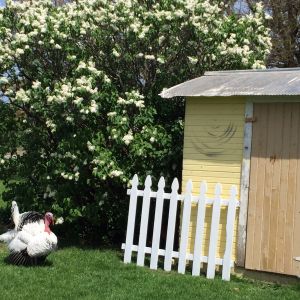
(7, 260)
(66, 242)
(160, 264)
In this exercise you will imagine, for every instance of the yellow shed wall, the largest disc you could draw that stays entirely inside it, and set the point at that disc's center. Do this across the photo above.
(213, 151)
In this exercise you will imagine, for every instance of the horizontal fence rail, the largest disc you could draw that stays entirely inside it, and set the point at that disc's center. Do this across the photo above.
(187, 199)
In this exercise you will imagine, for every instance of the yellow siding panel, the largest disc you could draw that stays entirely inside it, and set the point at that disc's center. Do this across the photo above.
(209, 166)
(213, 151)
(221, 157)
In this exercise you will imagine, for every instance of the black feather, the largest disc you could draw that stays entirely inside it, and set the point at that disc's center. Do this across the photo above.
(29, 217)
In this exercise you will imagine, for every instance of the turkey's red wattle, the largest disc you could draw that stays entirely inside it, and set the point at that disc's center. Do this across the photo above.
(47, 228)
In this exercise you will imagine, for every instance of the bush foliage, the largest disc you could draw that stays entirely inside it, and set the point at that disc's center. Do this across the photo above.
(81, 82)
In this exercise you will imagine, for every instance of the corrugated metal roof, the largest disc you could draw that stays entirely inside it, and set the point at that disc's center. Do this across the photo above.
(243, 82)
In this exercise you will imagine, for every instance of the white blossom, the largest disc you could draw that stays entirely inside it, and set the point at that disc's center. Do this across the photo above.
(149, 57)
(268, 16)
(78, 100)
(128, 138)
(36, 84)
(192, 60)
(76, 175)
(112, 114)
(121, 101)
(3, 80)
(140, 103)
(69, 119)
(22, 96)
(81, 65)
(258, 64)
(93, 107)
(90, 146)
(161, 60)
(161, 39)
(59, 221)
(57, 46)
(19, 51)
(106, 79)
(116, 173)
(116, 53)
(50, 124)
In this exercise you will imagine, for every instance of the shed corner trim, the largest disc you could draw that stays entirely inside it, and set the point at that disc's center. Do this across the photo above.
(244, 187)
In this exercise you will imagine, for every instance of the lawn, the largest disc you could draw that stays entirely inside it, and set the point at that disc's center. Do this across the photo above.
(74, 273)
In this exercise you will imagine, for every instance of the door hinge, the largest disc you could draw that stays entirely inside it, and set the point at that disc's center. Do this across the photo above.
(250, 119)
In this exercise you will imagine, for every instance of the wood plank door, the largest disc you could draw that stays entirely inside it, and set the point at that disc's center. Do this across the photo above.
(273, 226)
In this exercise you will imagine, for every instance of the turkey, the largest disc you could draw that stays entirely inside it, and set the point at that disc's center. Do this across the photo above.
(32, 240)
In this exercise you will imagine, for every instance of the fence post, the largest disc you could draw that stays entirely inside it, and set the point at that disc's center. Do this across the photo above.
(185, 227)
(215, 220)
(131, 219)
(171, 225)
(157, 223)
(144, 222)
(197, 258)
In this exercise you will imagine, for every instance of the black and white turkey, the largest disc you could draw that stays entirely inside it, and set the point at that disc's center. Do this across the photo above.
(32, 240)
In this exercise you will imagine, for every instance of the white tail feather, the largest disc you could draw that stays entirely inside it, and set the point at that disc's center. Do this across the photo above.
(8, 236)
(15, 213)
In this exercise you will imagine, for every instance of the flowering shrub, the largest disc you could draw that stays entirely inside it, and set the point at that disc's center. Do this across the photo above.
(81, 85)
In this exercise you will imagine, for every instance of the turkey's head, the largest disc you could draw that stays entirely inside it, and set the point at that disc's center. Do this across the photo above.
(49, 218)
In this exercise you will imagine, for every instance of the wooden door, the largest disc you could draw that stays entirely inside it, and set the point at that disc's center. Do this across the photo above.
(273, 226)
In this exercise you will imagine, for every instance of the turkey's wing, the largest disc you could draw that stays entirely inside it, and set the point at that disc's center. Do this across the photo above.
(29, 217)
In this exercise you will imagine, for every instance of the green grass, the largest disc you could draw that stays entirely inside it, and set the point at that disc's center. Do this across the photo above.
(74, 273)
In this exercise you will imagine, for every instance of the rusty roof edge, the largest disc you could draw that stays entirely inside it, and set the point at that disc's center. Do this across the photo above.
(166, 93)
(272, 70)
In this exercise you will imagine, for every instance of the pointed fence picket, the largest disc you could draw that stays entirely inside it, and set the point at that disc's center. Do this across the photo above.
(157, 223)
(199, 231)
(182, 255)
(215, 220)
(171, 225)
(131, 217)
(144, 222)
(186, 215)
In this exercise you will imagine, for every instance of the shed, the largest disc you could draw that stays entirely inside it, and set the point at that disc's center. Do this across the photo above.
(243, 128)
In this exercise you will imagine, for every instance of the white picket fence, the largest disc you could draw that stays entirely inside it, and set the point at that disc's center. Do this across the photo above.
(202, 201)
